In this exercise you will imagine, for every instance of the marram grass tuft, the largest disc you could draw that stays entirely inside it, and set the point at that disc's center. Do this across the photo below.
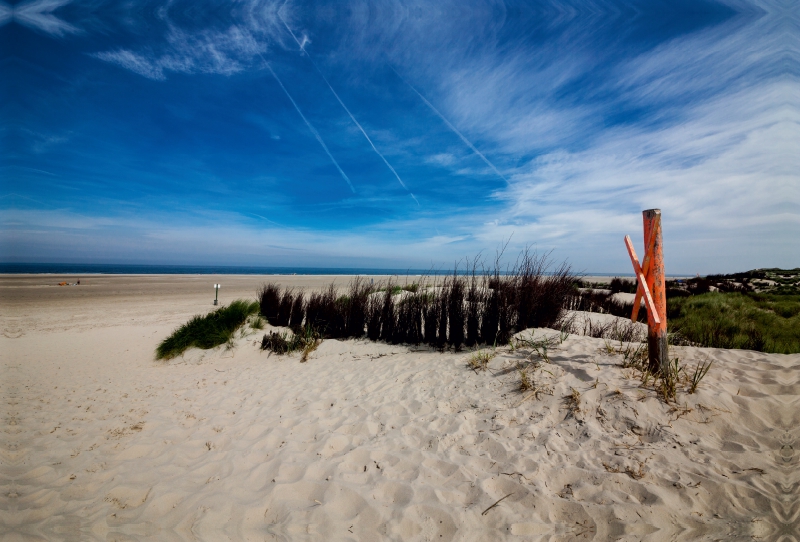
(207, 331)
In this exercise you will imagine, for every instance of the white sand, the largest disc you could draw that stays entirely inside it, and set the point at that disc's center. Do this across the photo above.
(367, 441)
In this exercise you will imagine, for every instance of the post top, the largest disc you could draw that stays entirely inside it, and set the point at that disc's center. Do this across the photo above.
(652, 211)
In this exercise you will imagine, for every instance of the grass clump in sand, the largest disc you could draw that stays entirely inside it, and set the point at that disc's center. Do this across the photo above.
(526, 382)
(666, 382)
(539, 346)
(699, 372)
(257, 323)
(305, 340)
(207, 331)
(479, 361)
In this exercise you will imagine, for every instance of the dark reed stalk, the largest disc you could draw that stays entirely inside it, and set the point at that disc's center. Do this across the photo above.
(298, 311)
(314, 309)
(330, 321)
(442, 304)
(321, 312)
(388, 314)
(418, 302)
(342, 308)
(373, 317)
(506, 311)
(269, 302)
(491, 313)
(480, 308)
(555, 291)
(357, 317)
(431, 311)
(475, 308)
(527, 282)
(455, 311)
(404, 321)
(285, 307)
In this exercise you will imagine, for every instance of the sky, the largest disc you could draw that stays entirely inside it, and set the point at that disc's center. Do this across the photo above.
(399, 134)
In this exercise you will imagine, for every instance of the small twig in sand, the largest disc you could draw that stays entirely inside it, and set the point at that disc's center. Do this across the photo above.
(514, 474)
(496, 503)
(529, 396)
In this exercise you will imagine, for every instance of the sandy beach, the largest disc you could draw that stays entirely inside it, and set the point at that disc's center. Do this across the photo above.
(368, 441)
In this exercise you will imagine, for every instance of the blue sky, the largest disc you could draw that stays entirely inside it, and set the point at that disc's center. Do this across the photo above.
(399, 134)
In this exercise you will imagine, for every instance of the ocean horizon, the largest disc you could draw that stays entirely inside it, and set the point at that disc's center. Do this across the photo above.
(152, 269)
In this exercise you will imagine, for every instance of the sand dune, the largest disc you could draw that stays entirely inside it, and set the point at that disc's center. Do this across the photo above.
(371, 441)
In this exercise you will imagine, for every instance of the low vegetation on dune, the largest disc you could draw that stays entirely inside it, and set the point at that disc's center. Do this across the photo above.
(755, 310)
(762, 322)
(759, 281)
(208, 331)
(461, 309)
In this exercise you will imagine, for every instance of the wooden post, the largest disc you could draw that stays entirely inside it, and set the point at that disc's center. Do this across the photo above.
(656, 284)
(652, 287)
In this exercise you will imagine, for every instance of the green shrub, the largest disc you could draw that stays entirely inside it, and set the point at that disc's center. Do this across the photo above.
(762, 322)
(207, 331)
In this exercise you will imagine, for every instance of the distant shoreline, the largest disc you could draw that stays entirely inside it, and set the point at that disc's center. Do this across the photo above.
(131, 269)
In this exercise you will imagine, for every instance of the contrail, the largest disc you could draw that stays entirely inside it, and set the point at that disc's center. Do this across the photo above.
(302, 48)
(313, 130)
(455, 130)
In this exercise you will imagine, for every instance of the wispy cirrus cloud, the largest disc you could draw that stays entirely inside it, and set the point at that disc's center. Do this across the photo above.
(38, 14)
(6, 14)
(591, 110)
(210, 51)
(227, 44)
(699, 125)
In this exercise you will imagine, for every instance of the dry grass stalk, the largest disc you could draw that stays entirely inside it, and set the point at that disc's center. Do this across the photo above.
(496, 503)
(636, 473)
(526, 382)
(306, 340)
(574, 401)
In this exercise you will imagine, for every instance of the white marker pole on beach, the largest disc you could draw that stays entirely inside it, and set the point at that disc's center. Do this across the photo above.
(216, 293)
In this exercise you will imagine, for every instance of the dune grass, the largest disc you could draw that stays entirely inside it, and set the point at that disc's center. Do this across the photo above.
(457, 310)
(762, 322)
(207, 331)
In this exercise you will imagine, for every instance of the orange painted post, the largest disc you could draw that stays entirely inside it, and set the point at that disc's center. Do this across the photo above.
(651, 307)
(648, 252)
(656, 284)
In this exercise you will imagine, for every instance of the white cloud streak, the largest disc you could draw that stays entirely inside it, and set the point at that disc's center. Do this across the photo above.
(6, 13)
(312, 129)
(715, 146)
(210, 51)
(453, 128)
(352, 117)
(38, 14)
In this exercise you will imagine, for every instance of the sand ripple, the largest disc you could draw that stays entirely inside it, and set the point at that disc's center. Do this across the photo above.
(370, 441)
